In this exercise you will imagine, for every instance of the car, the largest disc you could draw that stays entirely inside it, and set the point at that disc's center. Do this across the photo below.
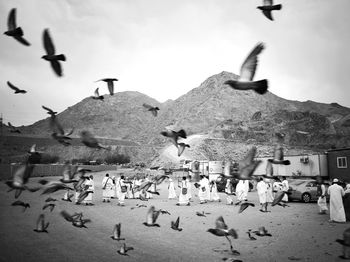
(304, 190)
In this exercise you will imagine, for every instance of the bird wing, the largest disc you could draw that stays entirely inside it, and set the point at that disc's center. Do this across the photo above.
(268, 2)
(155, 215)
(97, 94)
(149, 216)
(66, 216)
(247, 172)
(118, 228)
(11, 22)
(55, 125)
(48, 44)
(22, 40)
(110, 85)
(56, 66)
(278, 152)
(47, 109)
(268, 14)
(12, 86)
(18, 177)
(10, 125)
(41, 222)
(147, 106)
(220, 223)
(177, 222)
(249, 66)
(248, 159)
(269, 169)
(278, 198)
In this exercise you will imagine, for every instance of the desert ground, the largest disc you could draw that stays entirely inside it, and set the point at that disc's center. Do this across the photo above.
(298, 232)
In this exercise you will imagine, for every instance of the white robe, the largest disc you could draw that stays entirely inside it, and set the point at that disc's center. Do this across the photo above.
(269, 193)
(242, 189)
(261, 188)
(228, 191)
(206, 181)
(107, 192)
(336, 207)
(202, 190)
(137, 193)
(172, 192)
(285, 188)
(322, 202)
(183, 199)
(189, 188)
(214, 196)
(91, 185)
(122, 194)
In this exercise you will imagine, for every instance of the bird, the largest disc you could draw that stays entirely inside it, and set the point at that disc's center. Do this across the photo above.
(200, 214)
(67, 197)
(173, 135)
(138, 205)
(13, 129)
(55, 186)
(21, 203)
(245, 80)
(345, 242)
(269, 169)
(16, 89)
(50, 199)
(244, 206)
(278, 198)
(262, 232)
(50, 53)
(68, 174)
(97, 95)
(41, 226)
(58, 132)
(268, 7)
(159, 179)
(221, 229)
(246, 166)
(151, 217)
(181, 148)
(153, 109)
(49, 110)
(13, 30)
(76, 219)
(175, 225)
(124, 249)
(83, 194)
(116, 232)
(110, 84)
(90, 141)
(278, 156)
(250, 235)
(51, 206)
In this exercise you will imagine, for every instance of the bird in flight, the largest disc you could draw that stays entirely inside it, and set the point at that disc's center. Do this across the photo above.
(245, 80)
(110, 84)
(97, 95)
(13, 129)
(268, 7)
(116, 232)
(13, 30)
(41, 226)
(16, 89)
(49, 111)
(153, 109)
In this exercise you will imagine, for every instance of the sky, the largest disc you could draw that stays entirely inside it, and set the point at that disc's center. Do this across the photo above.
(165, 48)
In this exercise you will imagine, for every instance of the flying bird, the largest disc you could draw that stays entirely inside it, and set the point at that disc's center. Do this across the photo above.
(49, 111)
(21, 203)
(76, 219)
(174, 136)
(269, 169)
(68, 174)
(110, 84)
(278, 156)
(244, 206)
(58, 132)
(50, 199)
(41, 226)
(151, 217)
(278, 198)
(116, 232)
(153, 109)
(268, 7)
(90, 141)
(245, 80)
(262, 232)
(250, 235)
(55, 186)
(83, 194)
(50, 53)
(51, 206)
(181, 148)
(13, 30)
(16, 89)
(175, 225)
(13, 129)
(97, 95)
(124, 249)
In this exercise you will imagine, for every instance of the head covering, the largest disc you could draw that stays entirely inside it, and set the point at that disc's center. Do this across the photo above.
(335, 180)
(170, 180)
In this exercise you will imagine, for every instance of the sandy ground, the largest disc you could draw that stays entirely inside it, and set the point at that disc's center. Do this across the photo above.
(298, 232)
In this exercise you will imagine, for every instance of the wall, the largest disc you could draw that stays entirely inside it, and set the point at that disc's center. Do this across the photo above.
(335, 172)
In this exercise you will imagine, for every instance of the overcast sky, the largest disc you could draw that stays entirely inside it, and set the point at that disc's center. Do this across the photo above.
(165, 48)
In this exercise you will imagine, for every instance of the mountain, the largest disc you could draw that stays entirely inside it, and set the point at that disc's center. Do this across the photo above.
(212, 109)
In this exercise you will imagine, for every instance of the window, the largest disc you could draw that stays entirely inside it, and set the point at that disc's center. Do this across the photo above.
(341, 162)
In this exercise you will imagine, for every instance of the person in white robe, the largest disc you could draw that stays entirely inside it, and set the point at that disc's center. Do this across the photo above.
(207, 185)
(89, 183)
(123, 191)
(214, 196)
(246, 189)
(147, 194)
(202, 190)
(261, 188)
(183, 199)
(285, 188)
(117, 187)
(336, 207)
(240, 191)
(137, 184)
(107, 188)
(171, 188)
(269, 193)
(322, 201)
(189, 188)
(229, 192)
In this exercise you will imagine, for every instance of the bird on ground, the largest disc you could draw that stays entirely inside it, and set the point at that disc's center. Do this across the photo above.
(13, 129)
(51, 206)
(55, 186)
(151, 217)
(278, 156)
(124, 249)
(116, 232)
(221, 229)
(249, 232)
(97, 95)
(244, 206)
(345, 242)
(110, 84)
(90, 141)
(21, 203)
(50, 53)
(175, 225)
(278, 198)
(50, 199)
(247, 166)
(16, 89)
(262, 232)
(13, 30)
(173, 135)
(140, 205)
(76, 219)
(49, 110)
(268, 7)
(200, 214)
(181, 148)
(245, 80)
(153, 109)
(41, 226)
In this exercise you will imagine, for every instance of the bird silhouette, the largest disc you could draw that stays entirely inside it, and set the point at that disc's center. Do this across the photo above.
(83, 194)
(76, 219)
(250, 235)
(245, 80)
(21, 203)
(153, 109)
(49, 111)
(173, 135)
(51, 53)
(116, 232)
(151, 217)
(58, 132)
(124, 249)
(97, 95)
(278, 156)
(110, 84)
(90, 141)
(269, 169)
(16, 89)
(246, 166)
(50, 199)
(278, 198)
(51, 206)
(200, 214)
(268, 7)
(262, 232)
(41, 226)
(55, 186)
(68, 174)
(13, 129)
(181, 148)
(13, 30)
(175, 225)
(244, 206)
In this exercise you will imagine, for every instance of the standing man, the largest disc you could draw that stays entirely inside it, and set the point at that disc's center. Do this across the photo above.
(336, 207)
(123, 191)
(183, 197)
(107, 188)
(202, 190)
(285, 188)
(229, 192)
(261, 188)
(89, 183)
(321, 193)
(189, 188)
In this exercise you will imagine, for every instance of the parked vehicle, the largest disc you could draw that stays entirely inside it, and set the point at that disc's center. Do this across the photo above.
(304, 190)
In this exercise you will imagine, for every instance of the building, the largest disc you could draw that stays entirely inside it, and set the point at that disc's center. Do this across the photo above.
(338, 164)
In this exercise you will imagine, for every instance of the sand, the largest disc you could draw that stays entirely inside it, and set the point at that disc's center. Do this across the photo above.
(298, 232)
